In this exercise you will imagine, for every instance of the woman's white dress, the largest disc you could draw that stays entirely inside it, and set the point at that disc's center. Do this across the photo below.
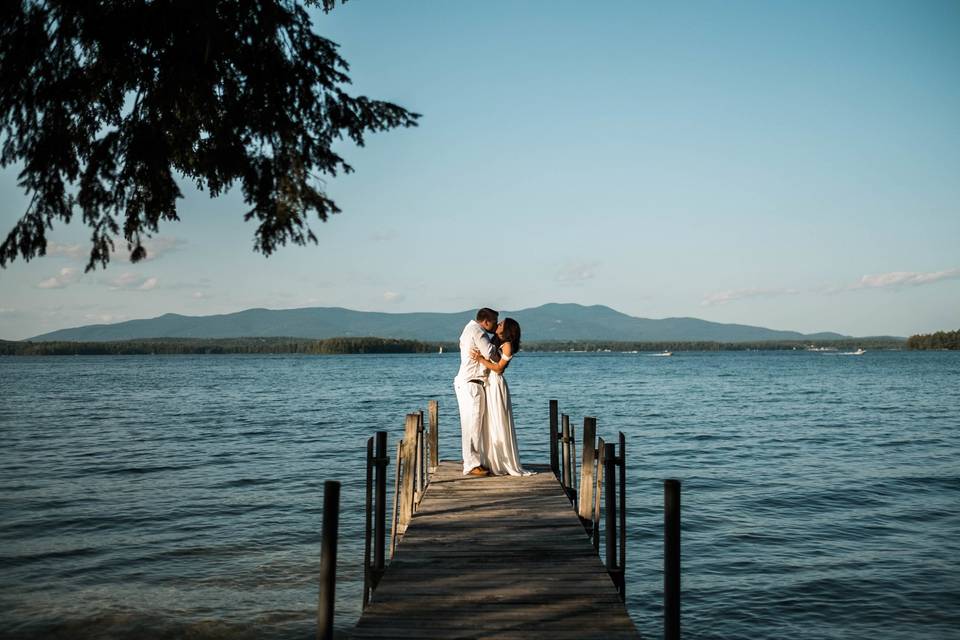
(500, 440)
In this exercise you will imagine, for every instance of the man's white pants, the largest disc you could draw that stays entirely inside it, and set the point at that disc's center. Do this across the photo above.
(471, 398)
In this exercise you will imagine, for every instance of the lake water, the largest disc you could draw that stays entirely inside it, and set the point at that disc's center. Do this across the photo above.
(181, 496)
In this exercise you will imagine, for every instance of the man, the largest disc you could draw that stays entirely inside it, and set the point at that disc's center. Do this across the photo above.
(469, 386)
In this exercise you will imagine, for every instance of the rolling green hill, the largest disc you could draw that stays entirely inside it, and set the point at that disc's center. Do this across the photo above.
(549, 322)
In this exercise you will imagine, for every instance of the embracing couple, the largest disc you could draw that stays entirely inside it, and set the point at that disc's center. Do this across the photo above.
(486, 414)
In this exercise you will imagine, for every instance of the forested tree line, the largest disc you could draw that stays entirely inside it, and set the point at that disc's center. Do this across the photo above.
(705, 345)
(348, 345)
(939, 340)
(168, 346)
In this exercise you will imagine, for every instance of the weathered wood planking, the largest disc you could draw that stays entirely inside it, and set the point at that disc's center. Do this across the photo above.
(498, 557)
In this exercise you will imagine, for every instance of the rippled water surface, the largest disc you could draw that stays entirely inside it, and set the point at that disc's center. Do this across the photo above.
(180, 496)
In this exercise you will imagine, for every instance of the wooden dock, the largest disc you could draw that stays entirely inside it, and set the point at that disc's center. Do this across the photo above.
(497, 557)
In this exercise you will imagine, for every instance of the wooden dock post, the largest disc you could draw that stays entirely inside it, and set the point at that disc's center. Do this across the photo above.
(671, 559)
(622, 463)
(395, 517)
(408, 473)
(574, 494)
(587, 472)
(610, 508)
(565, 453)
(328, 559)
(376, 514)
(554, 457)
(380, 512)
(420, 462)
(615, 560)
(598, 491)
(367, 531)
(433, 409)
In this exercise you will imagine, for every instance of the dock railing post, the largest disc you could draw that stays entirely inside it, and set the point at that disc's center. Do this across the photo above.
(368, 529)
(587, 471)
(409, 472)
(574, 494)
(433, 409)
(420, 480)
(395, 517)
(380, 508)
(598, 492)
(671, 559)
(554, 461)
(328, 559)
(565, 453)
(622, 462)
(610, 507)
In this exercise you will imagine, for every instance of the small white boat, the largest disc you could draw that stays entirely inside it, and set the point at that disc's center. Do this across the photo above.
(661, 354)
(441, 351)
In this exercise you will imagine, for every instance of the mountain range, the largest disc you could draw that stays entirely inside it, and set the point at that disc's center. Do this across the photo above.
(548, 322)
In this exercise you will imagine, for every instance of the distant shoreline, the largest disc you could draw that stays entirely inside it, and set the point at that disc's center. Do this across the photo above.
(372, 345)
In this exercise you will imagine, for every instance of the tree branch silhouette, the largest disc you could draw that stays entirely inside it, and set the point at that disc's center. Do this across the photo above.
(107, 103)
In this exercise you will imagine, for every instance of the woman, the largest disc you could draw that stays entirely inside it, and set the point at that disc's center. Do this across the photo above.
(500, 452)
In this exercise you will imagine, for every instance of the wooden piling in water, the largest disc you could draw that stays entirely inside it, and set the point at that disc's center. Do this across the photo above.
(433, 409)
(395, 517)
(380, 511)
(368, 520)
(587, 471)
(574, 494)
(374, 538)
(554, 457)
(671, 559)
(598, 491)
(420, 462)
(610, 505)
(565, 453)
(408, 472)
(622, 463)
(328, 559)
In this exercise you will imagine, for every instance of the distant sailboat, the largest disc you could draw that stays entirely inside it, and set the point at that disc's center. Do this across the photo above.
(441, 351)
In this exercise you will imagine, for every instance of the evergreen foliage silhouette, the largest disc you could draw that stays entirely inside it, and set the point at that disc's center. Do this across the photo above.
(105, 104)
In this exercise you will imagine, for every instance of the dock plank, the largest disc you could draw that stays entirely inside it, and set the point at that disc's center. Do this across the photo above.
(498, 557)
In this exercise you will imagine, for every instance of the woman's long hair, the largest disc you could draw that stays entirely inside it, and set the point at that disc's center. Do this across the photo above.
(511, 333)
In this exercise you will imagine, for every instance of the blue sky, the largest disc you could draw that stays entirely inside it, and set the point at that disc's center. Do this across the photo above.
(790, 165)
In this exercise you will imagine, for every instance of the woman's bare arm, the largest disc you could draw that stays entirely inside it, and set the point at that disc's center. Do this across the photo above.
(496, 367)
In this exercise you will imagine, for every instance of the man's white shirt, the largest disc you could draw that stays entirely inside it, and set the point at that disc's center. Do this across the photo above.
(474, 336)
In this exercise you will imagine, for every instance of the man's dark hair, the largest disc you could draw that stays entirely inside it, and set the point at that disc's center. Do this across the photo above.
(487, 314)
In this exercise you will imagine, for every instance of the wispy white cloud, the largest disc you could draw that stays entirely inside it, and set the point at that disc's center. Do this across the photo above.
(72, 251)
(392, 296)
(900, 279)
(156, 247)
(66, 276)
(574, 273)
(893, 281)
(724, 297)
(133, 282)
(201, 295)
